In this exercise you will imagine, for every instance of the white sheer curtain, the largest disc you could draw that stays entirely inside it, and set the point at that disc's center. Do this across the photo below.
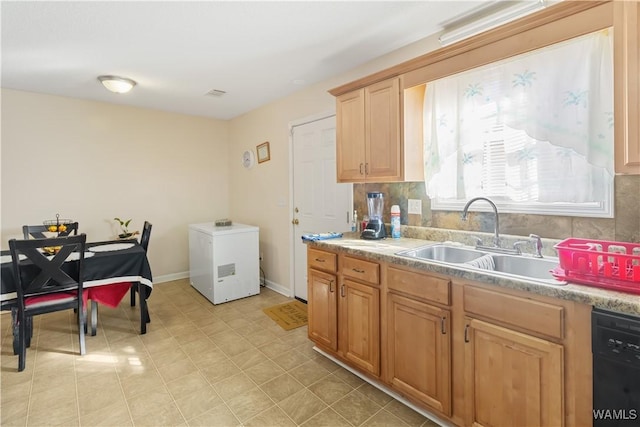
(536, 128)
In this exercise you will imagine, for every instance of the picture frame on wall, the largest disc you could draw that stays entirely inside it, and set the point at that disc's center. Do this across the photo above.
(264, 153)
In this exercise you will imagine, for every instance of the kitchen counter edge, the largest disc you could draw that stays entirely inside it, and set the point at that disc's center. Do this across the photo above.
(385, 251)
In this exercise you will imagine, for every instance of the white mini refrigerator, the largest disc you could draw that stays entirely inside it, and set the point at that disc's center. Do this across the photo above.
(224, 262)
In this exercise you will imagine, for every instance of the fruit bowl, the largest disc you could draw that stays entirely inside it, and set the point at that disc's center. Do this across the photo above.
(57, 225)
(51, 250)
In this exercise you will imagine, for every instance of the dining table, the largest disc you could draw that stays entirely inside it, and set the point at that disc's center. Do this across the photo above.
(110, 267)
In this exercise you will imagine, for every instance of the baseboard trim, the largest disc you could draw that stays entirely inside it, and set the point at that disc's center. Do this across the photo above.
(278, 288)
(171, 277)
(386, 390)
(185, 275)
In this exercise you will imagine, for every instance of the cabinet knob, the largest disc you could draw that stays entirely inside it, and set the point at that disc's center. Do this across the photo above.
(295, 221)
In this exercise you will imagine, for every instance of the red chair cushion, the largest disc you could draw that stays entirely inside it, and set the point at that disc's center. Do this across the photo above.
(51, 298)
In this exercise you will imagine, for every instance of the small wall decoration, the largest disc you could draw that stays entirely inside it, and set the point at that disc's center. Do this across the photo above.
(263, 152)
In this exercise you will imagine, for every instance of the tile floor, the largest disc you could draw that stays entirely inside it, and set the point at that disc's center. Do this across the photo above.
(198, 365)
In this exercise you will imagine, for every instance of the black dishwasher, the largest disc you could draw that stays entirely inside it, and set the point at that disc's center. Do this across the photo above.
(616, 369)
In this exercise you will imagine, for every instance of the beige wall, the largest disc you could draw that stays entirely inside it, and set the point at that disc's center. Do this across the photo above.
(193, 171)
(93, 161)
(261, 195)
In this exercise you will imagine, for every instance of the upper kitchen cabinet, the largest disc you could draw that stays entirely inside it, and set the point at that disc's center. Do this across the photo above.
(369, 138)
(380, 131)
(350, 139)
(627, 86)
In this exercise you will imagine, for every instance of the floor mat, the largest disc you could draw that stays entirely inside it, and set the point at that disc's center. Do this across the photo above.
(289, 315)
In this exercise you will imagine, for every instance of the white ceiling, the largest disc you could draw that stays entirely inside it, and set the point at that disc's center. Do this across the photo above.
(178, 51)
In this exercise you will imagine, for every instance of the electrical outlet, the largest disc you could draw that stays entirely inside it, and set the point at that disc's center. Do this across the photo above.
(415, 206)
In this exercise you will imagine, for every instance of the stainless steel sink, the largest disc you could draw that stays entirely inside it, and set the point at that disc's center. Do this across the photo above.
(517, 266)
(443, 253)
(533, 268)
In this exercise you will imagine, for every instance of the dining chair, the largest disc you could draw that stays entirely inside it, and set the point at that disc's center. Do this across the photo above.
(37, 231)
(46, 284)
(144, 242)
(135, 286)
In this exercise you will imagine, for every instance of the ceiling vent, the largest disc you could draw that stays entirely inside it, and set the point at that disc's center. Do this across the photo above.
(215, 92)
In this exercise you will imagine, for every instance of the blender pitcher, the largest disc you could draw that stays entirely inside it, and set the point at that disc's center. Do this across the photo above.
(375, 228)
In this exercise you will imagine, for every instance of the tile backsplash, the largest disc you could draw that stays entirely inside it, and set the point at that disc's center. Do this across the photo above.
(625, 226)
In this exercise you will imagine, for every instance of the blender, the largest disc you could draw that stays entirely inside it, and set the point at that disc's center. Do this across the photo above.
(375, 228)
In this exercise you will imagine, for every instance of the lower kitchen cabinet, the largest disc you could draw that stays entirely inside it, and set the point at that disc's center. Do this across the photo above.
(512, 379)
(344, 308)
(471, 353)
(322, 308)
(359, 340)
(419, 351)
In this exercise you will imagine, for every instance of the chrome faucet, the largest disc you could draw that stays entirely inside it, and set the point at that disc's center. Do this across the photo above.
(538, 244)
(496, 236)
(534, 240)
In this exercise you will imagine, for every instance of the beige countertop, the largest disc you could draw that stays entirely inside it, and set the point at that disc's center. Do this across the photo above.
(385, 251)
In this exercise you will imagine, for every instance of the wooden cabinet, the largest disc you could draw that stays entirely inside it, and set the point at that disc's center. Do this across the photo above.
(359, 318)
(514, 375)
(322, 287)
(418, 345)
(352, 308)
(368, 133)
(321, 260)
(419, 351)
(627, 86)
(471, 353)
(511, 378)
(397, 138)
(359, 323)
(322, 308)
(382, 131)
(350, 139)
(368, 137)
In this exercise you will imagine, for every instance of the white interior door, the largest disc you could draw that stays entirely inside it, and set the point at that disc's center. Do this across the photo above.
(320, 204)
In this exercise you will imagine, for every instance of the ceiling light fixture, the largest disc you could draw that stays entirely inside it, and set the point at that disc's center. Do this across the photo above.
(215, 92)
(117, 84)
(490, 21)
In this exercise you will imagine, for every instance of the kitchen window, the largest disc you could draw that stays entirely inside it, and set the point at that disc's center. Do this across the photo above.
(533, 132)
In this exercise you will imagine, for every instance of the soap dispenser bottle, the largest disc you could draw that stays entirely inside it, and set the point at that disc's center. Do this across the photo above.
(395, 221)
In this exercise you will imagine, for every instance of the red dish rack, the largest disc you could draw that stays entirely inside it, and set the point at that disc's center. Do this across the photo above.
(600, 263)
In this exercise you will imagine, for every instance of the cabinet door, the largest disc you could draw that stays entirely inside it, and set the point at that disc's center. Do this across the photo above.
(322, 309)
(350, 140)
(360, 325)
(512, 379)
(382, 131)
(419, 351)
(627, 86)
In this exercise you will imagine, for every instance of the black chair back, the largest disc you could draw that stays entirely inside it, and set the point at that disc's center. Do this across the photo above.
(37, 231)
(135, 287)
(146, 235)
(47, 276)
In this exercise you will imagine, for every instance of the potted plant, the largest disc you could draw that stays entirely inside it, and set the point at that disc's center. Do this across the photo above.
(124, 227)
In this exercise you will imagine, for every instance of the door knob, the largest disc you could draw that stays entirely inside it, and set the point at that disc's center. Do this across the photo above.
(295, 222)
